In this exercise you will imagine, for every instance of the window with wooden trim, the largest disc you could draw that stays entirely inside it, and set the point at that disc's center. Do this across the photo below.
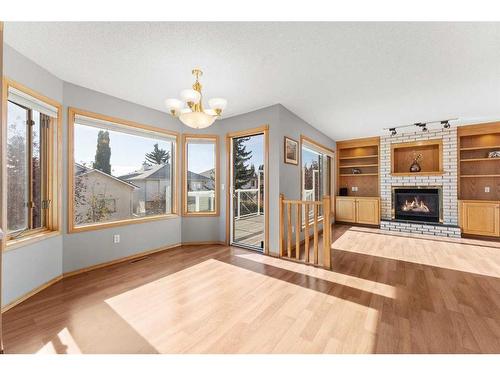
(122, 172)
(200, 177)
(31, 159)
(316, 173)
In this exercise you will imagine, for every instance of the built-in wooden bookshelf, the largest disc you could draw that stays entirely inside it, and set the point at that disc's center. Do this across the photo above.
(479, 174)
(358, 166)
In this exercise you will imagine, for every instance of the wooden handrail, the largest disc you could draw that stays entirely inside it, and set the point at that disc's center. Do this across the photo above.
(291, 248)
(293, 201)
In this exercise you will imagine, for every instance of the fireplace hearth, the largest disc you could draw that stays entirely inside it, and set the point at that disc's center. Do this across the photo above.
(422, 204)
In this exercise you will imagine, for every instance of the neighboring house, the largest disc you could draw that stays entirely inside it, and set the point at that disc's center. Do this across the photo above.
(201, 191)
(153, 186)
(101, 197)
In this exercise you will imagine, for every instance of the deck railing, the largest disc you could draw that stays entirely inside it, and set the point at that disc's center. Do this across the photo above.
(291, 221)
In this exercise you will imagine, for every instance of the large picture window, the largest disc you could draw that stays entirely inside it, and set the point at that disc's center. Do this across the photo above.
(200, 178)
(316, 172)
(31, 131)
(121, 172)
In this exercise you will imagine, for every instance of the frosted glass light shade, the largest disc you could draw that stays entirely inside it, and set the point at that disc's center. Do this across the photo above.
(217, 103)
(190, 96)
(197, 120)
(174, 104)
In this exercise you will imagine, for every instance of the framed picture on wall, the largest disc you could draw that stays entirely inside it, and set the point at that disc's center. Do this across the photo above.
(291, 151)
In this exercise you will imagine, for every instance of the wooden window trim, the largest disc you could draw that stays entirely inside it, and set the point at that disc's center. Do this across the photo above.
(185, 139)
(54, 169)
(304, 140)
(70, 172)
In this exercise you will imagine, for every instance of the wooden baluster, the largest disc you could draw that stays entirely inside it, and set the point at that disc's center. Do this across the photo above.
(306, 232)
(289, 230)
(297, 231)
(282, 225)
(326, 232)
(315, 240)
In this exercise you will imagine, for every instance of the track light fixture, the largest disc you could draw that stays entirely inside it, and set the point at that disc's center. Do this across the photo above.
(422, 125)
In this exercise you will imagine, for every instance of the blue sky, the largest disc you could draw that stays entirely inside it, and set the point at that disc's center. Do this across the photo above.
(308, 156)
(128, 151)
(201, 157)
(256, 145)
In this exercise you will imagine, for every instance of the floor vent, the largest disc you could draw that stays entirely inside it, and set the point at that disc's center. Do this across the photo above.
(138, 260)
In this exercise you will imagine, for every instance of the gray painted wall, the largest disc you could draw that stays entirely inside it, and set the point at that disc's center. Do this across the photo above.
(284, 178)
(26, 268)
(93, 247)
(42, 261)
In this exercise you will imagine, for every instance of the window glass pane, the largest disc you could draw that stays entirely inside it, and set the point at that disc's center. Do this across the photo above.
(120, 176)
(315, 176)
(36, 167)
(17, 168)
(200, 182)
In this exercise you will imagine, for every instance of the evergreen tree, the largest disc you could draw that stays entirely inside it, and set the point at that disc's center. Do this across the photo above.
(158, 156)
(242, 172)
(103, 153)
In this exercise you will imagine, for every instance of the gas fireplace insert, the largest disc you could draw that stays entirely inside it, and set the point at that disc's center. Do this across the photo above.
(417, 204)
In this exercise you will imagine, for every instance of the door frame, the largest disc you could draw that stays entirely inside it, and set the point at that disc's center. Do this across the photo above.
(264, 129)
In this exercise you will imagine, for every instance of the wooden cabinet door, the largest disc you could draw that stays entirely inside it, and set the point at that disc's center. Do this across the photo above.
(368, 211)
(481, 218)
(345, 209)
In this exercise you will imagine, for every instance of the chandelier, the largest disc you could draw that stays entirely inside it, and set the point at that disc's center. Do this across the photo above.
(194, 115)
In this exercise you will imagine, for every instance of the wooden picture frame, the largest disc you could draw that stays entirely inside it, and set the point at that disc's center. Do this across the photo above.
(291, 151)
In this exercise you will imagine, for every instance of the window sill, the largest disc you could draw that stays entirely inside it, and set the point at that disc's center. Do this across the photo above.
(200, 214)
(112, 224)
(30, 239)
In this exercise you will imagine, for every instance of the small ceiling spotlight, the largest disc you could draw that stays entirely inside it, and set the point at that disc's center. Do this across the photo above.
(446, 124)
(393, 131)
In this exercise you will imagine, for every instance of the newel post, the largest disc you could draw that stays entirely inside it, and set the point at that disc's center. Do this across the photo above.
(326, 232)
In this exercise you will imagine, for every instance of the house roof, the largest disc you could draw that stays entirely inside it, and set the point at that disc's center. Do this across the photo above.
(81, 170)
(154, 172)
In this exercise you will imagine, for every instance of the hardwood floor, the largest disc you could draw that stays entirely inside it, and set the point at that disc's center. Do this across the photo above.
(386, 294)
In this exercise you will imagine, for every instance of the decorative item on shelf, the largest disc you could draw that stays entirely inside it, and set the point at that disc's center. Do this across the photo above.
(415, 166)
(494, 154)
(343, 191)
(356, 171)
(194, 115)
(291, 151)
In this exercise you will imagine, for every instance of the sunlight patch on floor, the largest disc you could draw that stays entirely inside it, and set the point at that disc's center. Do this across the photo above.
(216, 307)
(432, 252)
(331, 276)
(62, 343)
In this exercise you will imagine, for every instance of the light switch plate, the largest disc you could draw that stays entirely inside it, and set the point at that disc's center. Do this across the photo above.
(116, 238)
(486, 189)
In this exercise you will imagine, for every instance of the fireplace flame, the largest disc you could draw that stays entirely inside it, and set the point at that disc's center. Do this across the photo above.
(415, 205)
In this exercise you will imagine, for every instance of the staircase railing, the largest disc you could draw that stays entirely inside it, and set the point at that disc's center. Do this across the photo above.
(306, 228)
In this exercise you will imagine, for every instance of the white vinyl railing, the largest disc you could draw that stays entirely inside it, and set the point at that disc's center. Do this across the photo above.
(247, 203)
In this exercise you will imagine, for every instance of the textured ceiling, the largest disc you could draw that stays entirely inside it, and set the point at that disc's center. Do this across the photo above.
(345, 79)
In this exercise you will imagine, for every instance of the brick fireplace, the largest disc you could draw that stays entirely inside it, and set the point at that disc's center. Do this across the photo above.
(443, 222)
